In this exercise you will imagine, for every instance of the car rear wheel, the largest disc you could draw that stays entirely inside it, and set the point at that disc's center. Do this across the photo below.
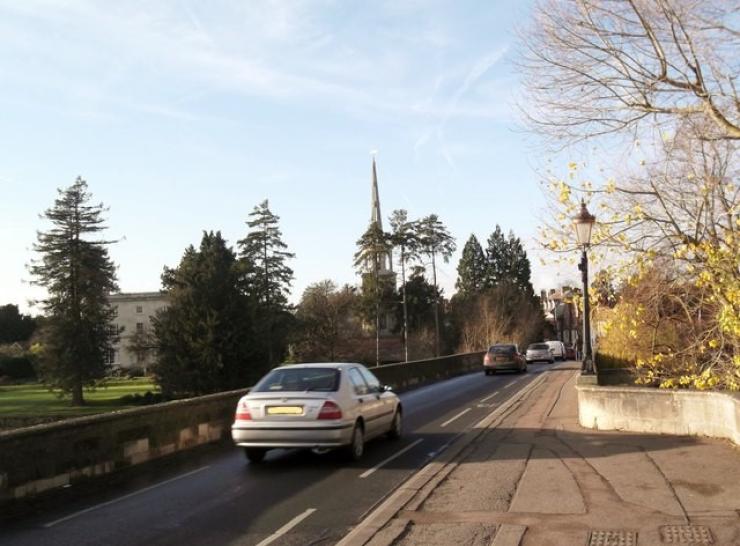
(255, 454)
(356, 449)
(396, 426)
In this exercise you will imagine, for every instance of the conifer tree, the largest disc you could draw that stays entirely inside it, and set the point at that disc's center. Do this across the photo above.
(472, 270)
(372, 248)
(497, 255)
(435, 240)
(264, 256)
(205, 337)
(406, 240)
(519, 268)
(78, 275)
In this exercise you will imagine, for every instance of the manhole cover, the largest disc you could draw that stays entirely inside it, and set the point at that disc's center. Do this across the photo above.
(612, 537)
(686, 534)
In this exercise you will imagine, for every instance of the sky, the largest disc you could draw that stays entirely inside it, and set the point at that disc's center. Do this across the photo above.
(182, 116)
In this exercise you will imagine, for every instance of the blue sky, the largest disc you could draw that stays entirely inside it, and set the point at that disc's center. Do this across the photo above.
(182, 116)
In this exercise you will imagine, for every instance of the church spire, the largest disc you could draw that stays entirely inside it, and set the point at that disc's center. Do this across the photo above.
(375, 216)
(386, 261)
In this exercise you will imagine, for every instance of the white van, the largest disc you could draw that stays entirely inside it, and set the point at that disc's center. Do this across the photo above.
(557, 349)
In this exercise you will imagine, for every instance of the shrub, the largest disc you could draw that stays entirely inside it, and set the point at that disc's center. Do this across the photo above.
(142, 400)
(17, 367)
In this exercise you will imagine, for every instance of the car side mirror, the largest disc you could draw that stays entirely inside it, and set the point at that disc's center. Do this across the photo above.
(386, 388)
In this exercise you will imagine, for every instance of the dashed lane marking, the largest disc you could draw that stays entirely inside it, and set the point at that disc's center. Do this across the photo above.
(287, 527)
(369, 471)
(463, 412)
(494, 393)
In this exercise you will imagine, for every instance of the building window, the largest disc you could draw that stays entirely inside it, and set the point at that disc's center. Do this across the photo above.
(110, 356)
(139, 327)
(139, 309)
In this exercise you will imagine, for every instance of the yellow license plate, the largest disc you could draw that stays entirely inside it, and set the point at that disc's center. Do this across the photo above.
(284, 410)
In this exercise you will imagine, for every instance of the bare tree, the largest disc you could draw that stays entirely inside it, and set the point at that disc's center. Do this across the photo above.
(676, 223)
(594, 67)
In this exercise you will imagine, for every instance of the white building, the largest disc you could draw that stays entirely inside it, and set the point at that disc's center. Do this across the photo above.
(134, 311)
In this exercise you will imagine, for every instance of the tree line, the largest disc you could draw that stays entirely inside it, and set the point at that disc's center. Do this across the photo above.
(228, 318)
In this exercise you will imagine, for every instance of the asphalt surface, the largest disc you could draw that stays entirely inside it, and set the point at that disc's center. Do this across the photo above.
(294, 498)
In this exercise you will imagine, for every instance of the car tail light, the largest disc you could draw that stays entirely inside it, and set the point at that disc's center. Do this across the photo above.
(330, 411)
(487, 359)
(242, 412)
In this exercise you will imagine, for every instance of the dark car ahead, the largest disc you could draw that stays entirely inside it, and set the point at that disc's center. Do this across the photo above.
(504, 356)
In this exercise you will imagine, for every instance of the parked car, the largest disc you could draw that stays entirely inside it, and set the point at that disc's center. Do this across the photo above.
(557, 348)
(504, 357)
(570, 352)
(539, 352)
(316, 406)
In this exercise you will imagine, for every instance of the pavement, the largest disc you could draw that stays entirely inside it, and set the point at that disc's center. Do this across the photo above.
(528, 474)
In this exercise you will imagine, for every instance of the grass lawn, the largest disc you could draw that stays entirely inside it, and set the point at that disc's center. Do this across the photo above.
(33, 399)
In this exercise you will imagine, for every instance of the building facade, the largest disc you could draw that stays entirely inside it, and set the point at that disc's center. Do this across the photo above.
(563, 314)
(133, 323)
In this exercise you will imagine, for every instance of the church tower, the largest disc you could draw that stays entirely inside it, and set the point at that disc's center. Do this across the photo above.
(385, 276)
(385, 266)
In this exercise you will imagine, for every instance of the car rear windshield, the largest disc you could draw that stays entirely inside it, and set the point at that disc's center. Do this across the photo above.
(502, 349)
(539, 347)
(299, 380)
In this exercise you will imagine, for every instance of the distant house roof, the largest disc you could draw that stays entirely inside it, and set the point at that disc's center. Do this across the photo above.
(136, 296)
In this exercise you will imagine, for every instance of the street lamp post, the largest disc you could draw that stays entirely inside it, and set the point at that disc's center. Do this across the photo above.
(584, 223)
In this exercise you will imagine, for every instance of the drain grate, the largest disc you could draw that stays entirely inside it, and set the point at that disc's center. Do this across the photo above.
(686, 534)
(611, 537)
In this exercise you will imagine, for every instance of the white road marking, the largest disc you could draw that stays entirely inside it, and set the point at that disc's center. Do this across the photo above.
(108, 503)
(514, 382)
(494, 393)
(287, 527)
(463, 412)
(389, 459)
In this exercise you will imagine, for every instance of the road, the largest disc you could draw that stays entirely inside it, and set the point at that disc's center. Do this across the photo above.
(293, 498)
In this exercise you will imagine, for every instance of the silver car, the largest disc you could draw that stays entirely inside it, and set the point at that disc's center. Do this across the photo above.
(539, 352)
(315, 406)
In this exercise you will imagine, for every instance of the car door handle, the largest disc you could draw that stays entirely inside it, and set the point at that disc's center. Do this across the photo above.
(360, 400)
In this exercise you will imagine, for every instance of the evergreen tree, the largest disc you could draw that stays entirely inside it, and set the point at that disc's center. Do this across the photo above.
(15, 326)
(421, 297)
(78, 275)
(372, 248)
(472, 269)
(508, 262)
(435, 240)
(405, 239)
(267, 274)
(205, 336)
(519, 269)
(497, 256)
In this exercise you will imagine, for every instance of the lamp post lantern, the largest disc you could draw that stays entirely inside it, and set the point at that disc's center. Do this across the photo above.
(584, 222)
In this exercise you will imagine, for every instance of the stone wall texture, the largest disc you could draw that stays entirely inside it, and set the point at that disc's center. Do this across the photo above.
(48, 456)
(643, 409)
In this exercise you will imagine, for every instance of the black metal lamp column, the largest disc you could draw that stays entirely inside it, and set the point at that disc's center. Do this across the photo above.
(584, 223)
